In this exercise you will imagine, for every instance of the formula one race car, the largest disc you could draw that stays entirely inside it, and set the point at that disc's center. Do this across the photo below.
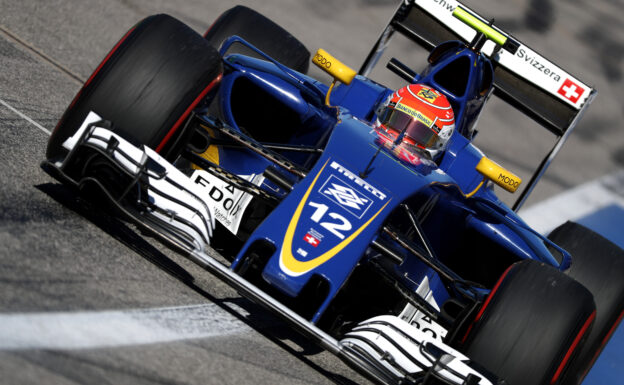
(406, 266)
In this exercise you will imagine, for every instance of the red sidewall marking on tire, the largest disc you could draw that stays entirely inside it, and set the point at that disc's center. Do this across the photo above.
(112, 51)
(486, 303)
(108, 56)
(576, 341)
(604, 342)
(209, 28)
(187, 112)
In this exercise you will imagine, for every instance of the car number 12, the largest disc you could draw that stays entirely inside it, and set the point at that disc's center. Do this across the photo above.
(339, 224)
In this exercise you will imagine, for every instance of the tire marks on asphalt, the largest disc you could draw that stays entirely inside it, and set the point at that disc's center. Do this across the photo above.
(42, 55)
(115, 328)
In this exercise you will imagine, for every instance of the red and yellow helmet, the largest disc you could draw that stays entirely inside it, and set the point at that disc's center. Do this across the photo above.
(423, 114)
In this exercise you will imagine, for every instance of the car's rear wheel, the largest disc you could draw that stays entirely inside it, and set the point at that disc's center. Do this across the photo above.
(531, 326)
(598, 264)
(147, 86)
(262, 33)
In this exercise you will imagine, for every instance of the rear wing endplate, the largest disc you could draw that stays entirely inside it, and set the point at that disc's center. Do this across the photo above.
(522, 77)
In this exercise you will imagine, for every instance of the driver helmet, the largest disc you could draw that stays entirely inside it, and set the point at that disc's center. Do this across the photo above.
(421, 114)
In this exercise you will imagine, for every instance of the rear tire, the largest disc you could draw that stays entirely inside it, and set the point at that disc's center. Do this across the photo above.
(147, 86)
(531, 326)
(262, 33)
(598, 264)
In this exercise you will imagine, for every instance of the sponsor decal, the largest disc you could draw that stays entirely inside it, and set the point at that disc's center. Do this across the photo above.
(444, 4)
(322, 61)
(345, 196)
(311, 239)
(571, 91)
(228, 203)
(316, 234)
(340, 192)
(415, 114)
(302, 252)
(427, 94)
(508, 181)
(534, 60)
(357, 180)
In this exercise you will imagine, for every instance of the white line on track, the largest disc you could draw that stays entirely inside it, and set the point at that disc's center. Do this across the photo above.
(25, 117)
(576, 203)
(105, 329)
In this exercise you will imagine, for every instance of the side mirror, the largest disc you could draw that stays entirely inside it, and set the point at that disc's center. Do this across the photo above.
(333, 66)
(498, 174)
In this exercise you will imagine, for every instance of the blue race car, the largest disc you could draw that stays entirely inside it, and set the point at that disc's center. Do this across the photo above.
(404, 264)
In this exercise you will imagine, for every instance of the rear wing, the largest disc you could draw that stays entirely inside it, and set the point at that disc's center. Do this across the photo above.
(522, 77)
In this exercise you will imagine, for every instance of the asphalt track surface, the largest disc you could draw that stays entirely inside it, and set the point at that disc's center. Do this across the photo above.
(85, 299)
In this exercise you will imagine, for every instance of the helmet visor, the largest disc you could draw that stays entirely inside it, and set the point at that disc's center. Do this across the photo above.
(415, 129)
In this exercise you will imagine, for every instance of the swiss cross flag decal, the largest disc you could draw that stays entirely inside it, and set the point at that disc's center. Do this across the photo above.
(571, 91)
(311, 240)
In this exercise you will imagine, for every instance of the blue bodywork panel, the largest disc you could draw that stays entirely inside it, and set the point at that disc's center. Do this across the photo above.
(324, 226)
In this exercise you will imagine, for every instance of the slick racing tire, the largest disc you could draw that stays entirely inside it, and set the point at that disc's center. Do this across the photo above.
(262, 33)
(146, 86)
(531, 326)
(598, 264)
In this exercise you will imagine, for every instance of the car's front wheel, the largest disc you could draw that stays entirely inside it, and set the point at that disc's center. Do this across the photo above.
(531, 326)
(147, 86)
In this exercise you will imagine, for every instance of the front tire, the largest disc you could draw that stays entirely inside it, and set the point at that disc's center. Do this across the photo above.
(147, 86)
(531, 326)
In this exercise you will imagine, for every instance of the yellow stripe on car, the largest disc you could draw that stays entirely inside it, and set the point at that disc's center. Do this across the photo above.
(291, 265)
